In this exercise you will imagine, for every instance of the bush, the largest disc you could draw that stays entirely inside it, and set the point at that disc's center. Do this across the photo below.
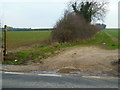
(72, 28)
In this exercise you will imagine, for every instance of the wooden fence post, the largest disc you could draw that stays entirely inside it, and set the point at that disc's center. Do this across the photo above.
(5, 44)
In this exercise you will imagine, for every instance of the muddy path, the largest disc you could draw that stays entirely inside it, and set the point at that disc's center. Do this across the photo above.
(92, 59)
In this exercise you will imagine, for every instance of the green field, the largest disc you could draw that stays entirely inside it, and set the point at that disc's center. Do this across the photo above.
(17, 39)
(37, 53)
(113, 32)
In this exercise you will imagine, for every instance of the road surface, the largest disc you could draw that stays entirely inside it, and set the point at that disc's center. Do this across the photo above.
(20, 80)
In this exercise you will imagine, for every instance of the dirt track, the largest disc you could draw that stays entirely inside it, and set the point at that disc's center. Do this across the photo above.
(92, 59)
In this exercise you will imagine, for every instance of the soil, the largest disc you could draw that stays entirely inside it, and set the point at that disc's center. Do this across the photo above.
(93, 59)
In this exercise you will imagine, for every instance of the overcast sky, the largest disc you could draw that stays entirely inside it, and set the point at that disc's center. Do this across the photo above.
(44, 13)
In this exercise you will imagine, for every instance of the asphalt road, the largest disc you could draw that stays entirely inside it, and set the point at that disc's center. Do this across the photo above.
(55, 81)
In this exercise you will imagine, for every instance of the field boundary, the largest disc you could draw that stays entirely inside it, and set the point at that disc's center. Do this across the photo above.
(113, 38)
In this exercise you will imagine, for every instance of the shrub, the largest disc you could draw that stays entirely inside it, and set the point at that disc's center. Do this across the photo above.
(72, 28)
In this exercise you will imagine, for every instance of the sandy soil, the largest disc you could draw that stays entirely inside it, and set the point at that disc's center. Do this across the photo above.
(92, 59)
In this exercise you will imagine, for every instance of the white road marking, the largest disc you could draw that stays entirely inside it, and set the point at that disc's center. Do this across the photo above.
(13, 73)
(91, 76)
(54, 75)
(101, 77)
(51, 75)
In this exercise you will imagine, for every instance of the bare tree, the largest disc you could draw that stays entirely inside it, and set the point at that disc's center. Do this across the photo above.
(90, 9)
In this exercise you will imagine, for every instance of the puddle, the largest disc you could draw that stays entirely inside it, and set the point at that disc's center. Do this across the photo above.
(78, 73)
(69, 71)
(44, 72)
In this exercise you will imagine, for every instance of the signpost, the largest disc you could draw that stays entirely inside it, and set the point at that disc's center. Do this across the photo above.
(4, 41)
